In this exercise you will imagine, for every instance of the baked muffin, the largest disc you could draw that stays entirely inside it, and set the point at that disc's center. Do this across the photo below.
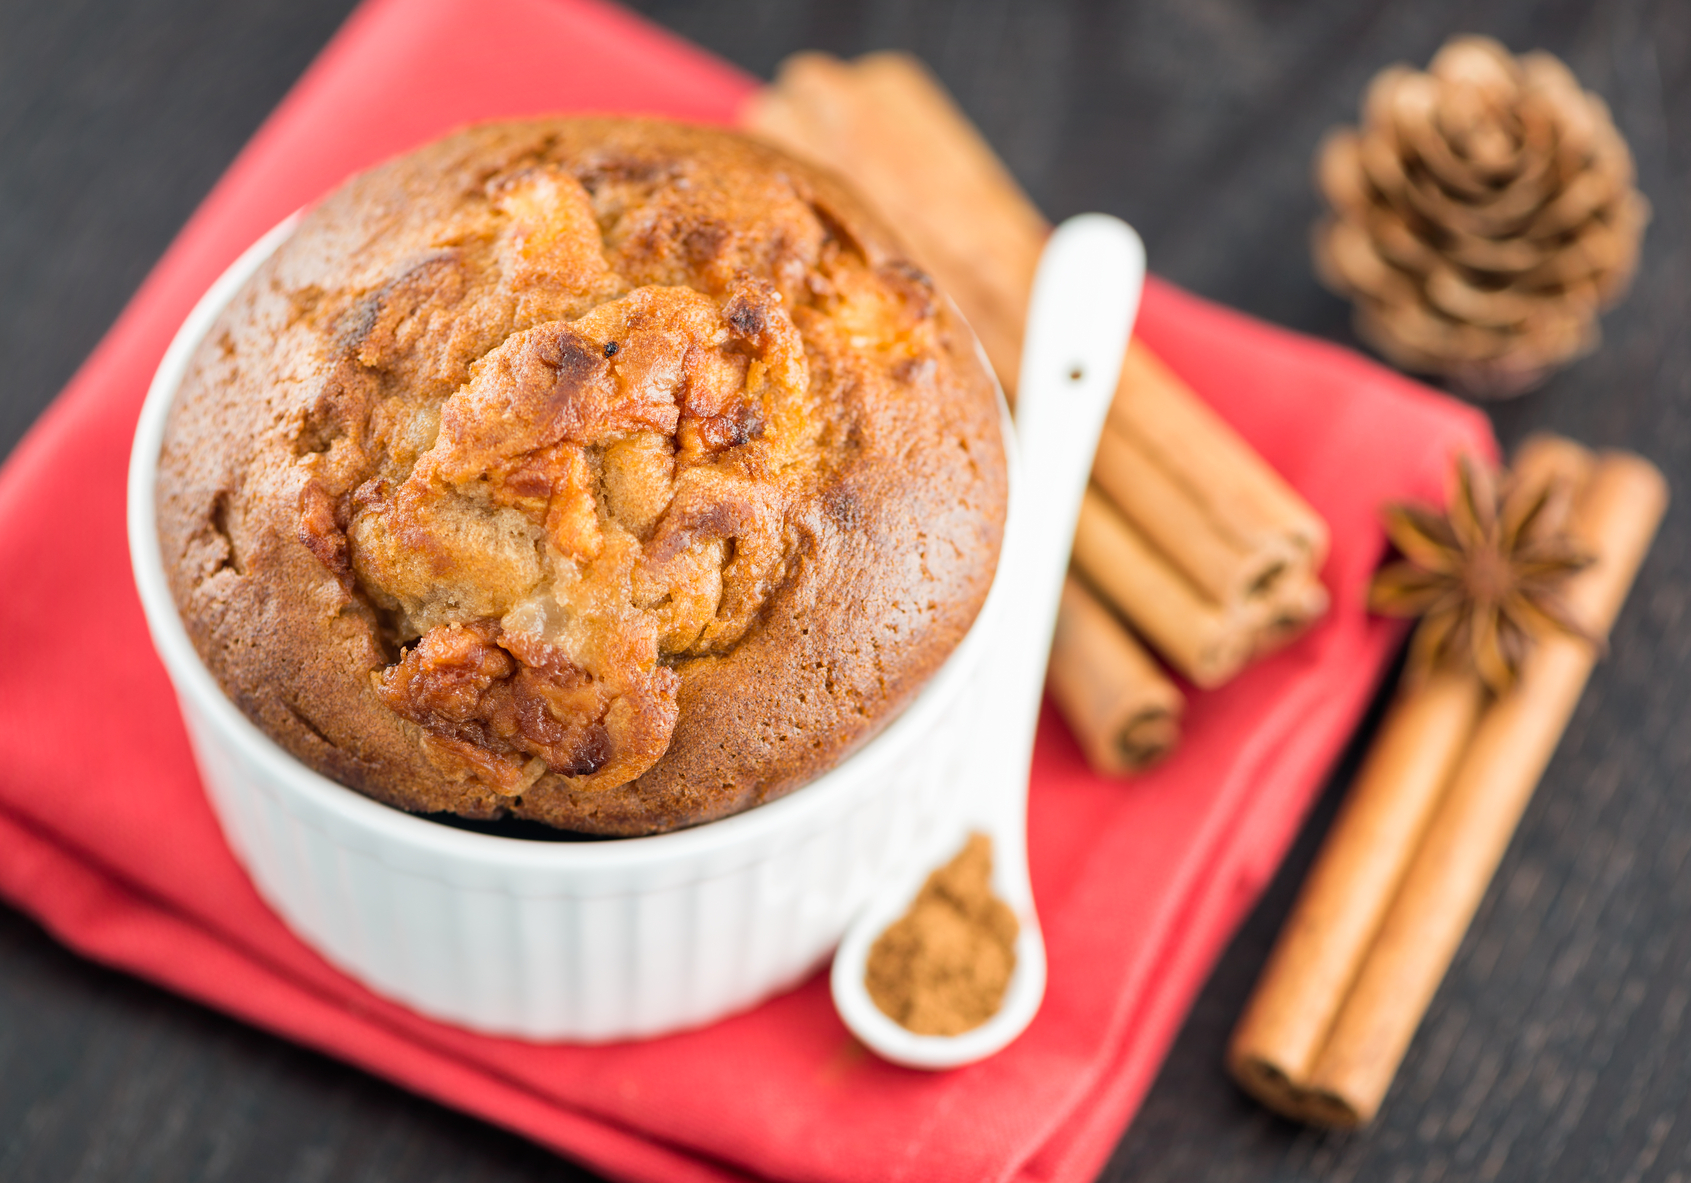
(616, 474)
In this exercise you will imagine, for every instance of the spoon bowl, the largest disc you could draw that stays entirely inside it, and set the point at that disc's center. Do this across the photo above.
(1085, 298)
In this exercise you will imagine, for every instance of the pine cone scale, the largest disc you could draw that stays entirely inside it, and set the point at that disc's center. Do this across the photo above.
(1500, 308)
(1510, 257)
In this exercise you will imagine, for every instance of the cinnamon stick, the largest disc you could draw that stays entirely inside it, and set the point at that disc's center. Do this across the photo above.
(1418, 840)
(1296, 601)
(1321, 948)
(1225, 566)
(1217, 467)
(1198, 637)
(1332, 927)
(1122, 708)
(1616, 517)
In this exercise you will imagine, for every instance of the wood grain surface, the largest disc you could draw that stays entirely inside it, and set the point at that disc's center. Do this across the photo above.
(1560, 1046)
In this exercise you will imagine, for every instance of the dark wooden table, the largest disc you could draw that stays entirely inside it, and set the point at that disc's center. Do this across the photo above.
(1560, 1045)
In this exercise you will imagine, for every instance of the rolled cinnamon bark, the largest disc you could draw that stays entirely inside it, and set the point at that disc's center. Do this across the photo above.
(1199, 638)
(1120, 705)
(1419, 838)
(1325, 939)
(1297, 601)
(1332, 927)
(1225, 567)
(1616, 516)
(1218, 469)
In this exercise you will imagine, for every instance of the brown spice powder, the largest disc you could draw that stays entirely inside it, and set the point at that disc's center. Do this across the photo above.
(942, 968)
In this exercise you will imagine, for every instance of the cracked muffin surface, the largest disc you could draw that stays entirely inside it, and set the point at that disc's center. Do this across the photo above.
(615, 474)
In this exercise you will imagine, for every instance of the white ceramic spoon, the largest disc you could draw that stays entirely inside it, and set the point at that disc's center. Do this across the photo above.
(1085, 298)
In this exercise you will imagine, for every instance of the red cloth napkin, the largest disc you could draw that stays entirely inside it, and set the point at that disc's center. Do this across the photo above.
(106, 837)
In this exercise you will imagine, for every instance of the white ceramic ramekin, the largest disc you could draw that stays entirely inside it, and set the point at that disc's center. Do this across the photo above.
(549, 940)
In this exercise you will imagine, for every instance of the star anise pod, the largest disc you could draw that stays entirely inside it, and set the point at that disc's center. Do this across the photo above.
(1484, 576)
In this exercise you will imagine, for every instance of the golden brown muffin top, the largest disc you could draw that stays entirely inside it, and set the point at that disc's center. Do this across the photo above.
(531, 446)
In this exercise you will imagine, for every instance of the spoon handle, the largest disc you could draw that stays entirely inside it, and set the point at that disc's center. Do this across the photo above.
(1085, 298)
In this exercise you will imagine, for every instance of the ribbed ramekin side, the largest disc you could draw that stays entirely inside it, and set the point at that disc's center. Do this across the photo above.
(719, 938)
(551, 964)
(790, 879)
(232, 803)
(426, 966)
(263, 835)
(331, 897)
(542, 951)
(485, 928)
(606, 965)
(370, 940)
(660, 948)
(574, 957)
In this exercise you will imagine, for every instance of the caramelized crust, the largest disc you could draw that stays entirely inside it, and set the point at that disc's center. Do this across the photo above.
(616, 474)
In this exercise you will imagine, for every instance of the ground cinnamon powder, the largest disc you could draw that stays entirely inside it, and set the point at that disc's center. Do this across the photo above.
(942, 968)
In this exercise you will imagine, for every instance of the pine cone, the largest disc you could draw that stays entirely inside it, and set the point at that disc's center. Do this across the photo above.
(1483, 215)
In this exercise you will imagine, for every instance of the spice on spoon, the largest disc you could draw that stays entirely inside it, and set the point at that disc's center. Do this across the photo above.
(942, 968)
